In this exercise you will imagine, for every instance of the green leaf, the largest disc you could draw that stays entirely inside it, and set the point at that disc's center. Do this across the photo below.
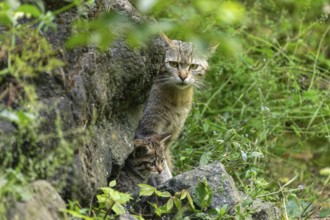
(124, 198)
(223, 210)
(325, 171)
(158, 210)
(205, 158)
(25, 118)
(203, 194)
(118, 209)
(100, 199)
(183, 194)
(106, 190)
(5, 19)
(146, 190)
(164, 194)
(77, 215)
(324, 213)
(115, 195)
(295, 206)
(29, 10)
(112, 183)
(190, 200)
(177, 203)
(169, 204)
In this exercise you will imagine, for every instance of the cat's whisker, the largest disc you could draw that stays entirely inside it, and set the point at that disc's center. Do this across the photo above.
(200, 85)
(164, 78)
(161, 80)
(162, 84)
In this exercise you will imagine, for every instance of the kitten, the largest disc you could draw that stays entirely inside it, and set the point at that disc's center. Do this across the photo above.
(147, 158)
(170, 98)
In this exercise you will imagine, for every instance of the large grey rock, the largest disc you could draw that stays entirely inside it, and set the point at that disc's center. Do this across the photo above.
(44, 203)
(224, 191)
(104, 94)
(97, 97)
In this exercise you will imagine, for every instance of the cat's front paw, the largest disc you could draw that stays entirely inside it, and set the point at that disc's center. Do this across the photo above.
(162, 177)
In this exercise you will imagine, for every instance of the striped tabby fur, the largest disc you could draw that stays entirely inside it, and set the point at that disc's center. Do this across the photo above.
(170, 98)
(146, 159)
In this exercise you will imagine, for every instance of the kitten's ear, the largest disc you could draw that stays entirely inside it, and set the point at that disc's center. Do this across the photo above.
(140, 148)
(167, 40)
(139, 141)
(164, 137)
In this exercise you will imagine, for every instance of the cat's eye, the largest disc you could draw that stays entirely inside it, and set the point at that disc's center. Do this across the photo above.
(193, 66)
(173, 64)
(153, 163)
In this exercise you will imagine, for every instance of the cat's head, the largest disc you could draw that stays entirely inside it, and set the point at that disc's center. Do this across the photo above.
(149, 153)
(183, 65)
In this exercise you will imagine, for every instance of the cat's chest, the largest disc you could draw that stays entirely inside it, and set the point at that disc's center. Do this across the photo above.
(176, 118)
(180, 113)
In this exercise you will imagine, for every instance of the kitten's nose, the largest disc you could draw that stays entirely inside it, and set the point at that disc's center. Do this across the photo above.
(159, 169)
(183, 75)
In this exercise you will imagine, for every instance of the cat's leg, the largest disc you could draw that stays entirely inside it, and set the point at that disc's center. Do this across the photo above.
(156, 179)
(165, 175)
(152, 180)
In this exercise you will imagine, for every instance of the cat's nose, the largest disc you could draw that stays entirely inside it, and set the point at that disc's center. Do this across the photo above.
(183, 75)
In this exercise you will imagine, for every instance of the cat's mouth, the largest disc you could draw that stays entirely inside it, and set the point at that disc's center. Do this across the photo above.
(183, 85)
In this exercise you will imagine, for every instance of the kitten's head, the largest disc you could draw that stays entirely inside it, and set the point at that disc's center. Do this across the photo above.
(183, 65)
(149, 153)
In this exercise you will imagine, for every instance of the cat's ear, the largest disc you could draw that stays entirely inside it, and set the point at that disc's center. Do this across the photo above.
(213, 49)
(164, 137)
(167, 40)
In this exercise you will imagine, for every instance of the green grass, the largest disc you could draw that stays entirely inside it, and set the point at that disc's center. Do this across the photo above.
(266, 112)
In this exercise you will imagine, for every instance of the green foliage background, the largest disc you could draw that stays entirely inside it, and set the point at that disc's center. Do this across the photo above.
(265, 113)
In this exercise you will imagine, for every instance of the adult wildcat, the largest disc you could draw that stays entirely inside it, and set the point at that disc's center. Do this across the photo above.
(171, 95)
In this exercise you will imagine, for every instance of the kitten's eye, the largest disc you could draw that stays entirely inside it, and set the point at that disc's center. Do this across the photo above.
(153, 163)
(173, 64)
(193, 66)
